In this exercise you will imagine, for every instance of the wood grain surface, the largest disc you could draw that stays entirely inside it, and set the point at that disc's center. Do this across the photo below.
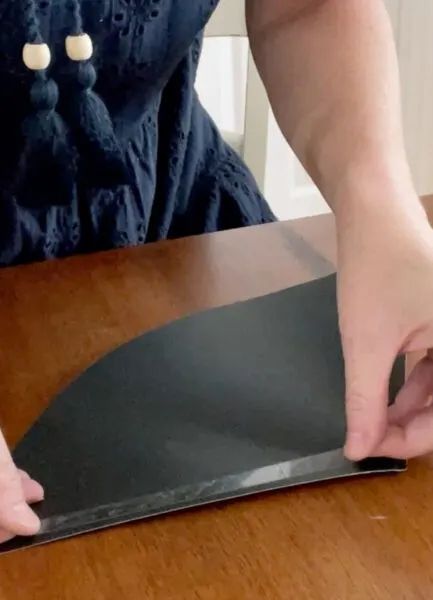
(361, 539)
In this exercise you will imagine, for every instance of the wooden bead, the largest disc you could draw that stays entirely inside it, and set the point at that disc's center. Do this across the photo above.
(79, 47)
(37, 57)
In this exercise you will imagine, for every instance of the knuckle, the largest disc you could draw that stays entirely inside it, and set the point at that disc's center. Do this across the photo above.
(357, 402)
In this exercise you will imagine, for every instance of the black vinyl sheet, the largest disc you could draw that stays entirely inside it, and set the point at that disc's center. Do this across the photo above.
(222, 404)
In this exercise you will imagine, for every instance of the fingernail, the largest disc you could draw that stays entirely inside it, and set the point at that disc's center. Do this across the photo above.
(37, 489)
(355, 448)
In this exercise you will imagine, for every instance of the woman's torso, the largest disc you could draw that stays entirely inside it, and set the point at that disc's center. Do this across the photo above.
(183, 178)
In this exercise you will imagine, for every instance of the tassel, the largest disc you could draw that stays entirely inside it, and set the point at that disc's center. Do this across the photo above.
(47, 167)
(10, 231)
(102, 159)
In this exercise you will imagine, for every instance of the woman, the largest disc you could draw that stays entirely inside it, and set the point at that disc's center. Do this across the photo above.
(133, 157)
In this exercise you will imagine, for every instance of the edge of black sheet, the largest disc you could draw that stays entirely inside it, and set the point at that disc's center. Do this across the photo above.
(320, 468)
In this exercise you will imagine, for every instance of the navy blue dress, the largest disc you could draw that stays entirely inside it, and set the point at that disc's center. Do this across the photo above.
(183, 179)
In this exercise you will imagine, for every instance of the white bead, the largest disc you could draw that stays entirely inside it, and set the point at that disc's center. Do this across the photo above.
(79, 47)
(37, 57)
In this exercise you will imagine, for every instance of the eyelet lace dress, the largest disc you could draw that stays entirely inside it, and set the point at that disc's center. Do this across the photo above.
(104, 143)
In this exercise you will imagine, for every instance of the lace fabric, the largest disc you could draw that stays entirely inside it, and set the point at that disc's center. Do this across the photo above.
(184, 179)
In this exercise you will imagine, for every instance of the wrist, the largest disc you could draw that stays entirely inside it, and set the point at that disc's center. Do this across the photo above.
(374, 190)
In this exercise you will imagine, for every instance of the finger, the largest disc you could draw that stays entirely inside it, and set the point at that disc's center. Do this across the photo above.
(368, 370)
(5, 536)
(414, 395)
(15, 514)
(415, 438)
(33, 491)
(24, 475)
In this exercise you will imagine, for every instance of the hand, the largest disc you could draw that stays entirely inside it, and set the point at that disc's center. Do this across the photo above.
(17, 491)
(385, 293)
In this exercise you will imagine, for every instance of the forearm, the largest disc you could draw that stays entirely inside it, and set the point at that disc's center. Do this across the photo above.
(331, 72)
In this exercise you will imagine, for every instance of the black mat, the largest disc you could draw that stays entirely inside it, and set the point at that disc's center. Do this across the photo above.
(223, 404)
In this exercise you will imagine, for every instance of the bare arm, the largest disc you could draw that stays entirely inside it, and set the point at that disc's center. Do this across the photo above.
(331, 72)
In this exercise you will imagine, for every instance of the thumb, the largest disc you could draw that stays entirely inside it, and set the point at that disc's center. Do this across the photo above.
(368, 370)
(15, 514)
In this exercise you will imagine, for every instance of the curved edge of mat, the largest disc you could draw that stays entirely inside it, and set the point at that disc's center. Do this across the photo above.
(315, 469)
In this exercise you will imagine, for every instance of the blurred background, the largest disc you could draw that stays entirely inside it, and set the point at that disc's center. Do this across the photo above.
(230, 89)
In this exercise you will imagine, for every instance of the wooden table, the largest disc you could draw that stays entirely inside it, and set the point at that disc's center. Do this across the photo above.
(362, 539)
